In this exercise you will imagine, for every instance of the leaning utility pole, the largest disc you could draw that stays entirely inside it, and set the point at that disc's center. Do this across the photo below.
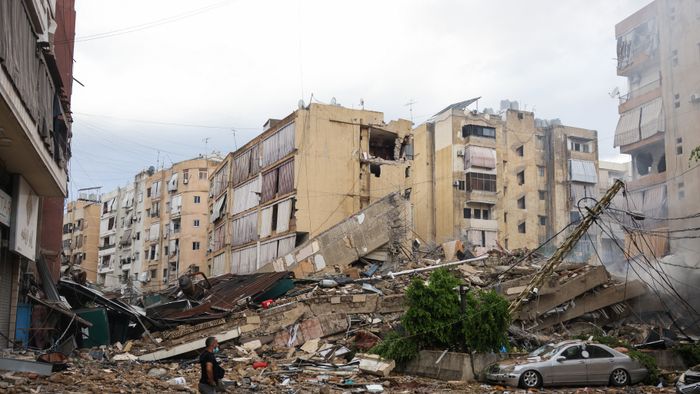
(566, 247)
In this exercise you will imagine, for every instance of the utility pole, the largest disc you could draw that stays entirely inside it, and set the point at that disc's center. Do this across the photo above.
(566, 247)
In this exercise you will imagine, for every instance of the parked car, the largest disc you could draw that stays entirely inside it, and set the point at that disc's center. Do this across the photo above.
(689, 381)
(568, 363)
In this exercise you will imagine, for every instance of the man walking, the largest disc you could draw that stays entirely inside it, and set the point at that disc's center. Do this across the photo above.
(212, 373)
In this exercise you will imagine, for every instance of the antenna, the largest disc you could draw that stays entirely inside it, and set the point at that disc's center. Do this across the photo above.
(235, 144)
(362, 103)
(206, 145)
(409, 104)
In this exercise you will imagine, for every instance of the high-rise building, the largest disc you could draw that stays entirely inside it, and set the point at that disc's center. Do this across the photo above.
(658, 51)
(508, 178)
(36, 63)
(81, 232)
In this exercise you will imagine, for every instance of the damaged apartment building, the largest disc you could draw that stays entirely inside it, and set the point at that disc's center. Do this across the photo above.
(150, 231)
(303, 175)
(81, 232)
(657, 51)
(506, 178)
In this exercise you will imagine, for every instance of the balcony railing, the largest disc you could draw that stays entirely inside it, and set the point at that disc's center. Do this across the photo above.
(105, 247)
(640, 91)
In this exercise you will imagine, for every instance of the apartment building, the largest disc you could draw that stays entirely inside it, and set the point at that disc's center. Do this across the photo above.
(35, 93)
(112, 215)
(608, 173)
(81, 232)
(302, 175)
(657, 51)
(505, 178)
(546, 171)
(175, 216)
(455, 192)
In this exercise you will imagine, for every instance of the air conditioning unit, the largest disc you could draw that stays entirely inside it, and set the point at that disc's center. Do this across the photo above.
(185, 181)
(460, 153)
(695, 98)
(455, 183)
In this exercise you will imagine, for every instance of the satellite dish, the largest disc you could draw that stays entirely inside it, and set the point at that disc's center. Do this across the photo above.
(333, 102)
(615, 92)
(300, 104)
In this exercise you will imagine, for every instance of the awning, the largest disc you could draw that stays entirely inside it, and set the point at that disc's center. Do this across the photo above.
(218, 208)
(126, 237)
(582, 171)
(627, 130)
(172, 184)
(478, 156)
(652, 118)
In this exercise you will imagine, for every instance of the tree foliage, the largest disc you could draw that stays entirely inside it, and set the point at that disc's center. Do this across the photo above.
(695, 154)
(434, 320)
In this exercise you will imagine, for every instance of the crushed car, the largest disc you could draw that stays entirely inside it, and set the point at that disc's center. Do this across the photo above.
(689, 381)
(568, 363)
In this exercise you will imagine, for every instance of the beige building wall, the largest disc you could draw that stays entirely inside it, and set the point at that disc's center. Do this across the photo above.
(329, 162)
(173, 242)
(81, 232)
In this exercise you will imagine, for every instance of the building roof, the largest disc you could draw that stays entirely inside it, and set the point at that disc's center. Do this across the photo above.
(460, 105)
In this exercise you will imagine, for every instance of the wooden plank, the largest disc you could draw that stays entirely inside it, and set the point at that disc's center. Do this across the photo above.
(594, 301)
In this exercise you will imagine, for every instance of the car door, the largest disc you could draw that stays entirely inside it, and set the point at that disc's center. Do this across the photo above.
(599, 364)
(571, 369)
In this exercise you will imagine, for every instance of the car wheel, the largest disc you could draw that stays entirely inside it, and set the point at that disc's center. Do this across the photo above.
(619, 377)
(530, 379)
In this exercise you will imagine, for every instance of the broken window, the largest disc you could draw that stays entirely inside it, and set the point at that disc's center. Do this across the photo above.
(383, 144)
(478, 131)
(661, 167)
(521, 177)
(643, 162)
(579, 145)
(521, 227)
(375, 169)
(482, 182)
(521, 202)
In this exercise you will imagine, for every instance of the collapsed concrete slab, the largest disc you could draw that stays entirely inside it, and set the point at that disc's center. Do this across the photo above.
(594, 300)
(189, 346)
(375, 365)
(384, 222)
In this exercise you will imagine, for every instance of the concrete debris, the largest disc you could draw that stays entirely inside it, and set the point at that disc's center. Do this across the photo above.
(374, 364)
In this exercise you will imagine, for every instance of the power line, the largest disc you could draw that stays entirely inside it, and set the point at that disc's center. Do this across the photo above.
(168, 123)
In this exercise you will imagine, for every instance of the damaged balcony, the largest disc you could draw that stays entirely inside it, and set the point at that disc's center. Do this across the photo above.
(386, 147)
(638, 47)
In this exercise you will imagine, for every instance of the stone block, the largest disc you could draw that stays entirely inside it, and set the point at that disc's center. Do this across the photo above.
(373, 364)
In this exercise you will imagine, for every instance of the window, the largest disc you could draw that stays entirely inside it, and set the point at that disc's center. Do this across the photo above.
(505, 217)
(166, 249)
(542, 194)
(479, 181)
(597, 352)
(679, 140)
(677, 100)
(540, 170)
(461, 185)
(165, 273)
(195, 245)
(154, 273)
(543, 220)
(521, 202)
(485, 214)
(477, 213)
(148, 192)
(467, 213)
(572, 353)
(110, 225)
(197, 199)
(202, 173)
(521, 228)
(506, 243)
(579, 145)
(195, 223)
(521, 177)
(679, 149)
(520, 151)
(185, 176)
(478, 131)
(539, 142)
(138, 235)
(674, 57)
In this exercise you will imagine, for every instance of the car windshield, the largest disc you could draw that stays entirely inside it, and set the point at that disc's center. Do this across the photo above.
(545, 351)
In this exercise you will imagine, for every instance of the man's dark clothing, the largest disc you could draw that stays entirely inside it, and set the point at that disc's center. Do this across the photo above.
(208, 357)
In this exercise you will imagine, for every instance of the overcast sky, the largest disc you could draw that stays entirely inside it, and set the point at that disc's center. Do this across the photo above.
(157, 72)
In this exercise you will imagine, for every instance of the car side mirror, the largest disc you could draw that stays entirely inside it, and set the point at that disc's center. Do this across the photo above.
(560, 359)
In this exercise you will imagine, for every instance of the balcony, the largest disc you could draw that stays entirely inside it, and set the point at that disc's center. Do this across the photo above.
(480, 196)
(105, 247)
(34, 140)
(639, 96)
(481, 224)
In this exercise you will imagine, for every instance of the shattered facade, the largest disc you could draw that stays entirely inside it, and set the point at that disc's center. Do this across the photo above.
(36, 63)
(302, 175)
(508, 179)
(659, 116)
